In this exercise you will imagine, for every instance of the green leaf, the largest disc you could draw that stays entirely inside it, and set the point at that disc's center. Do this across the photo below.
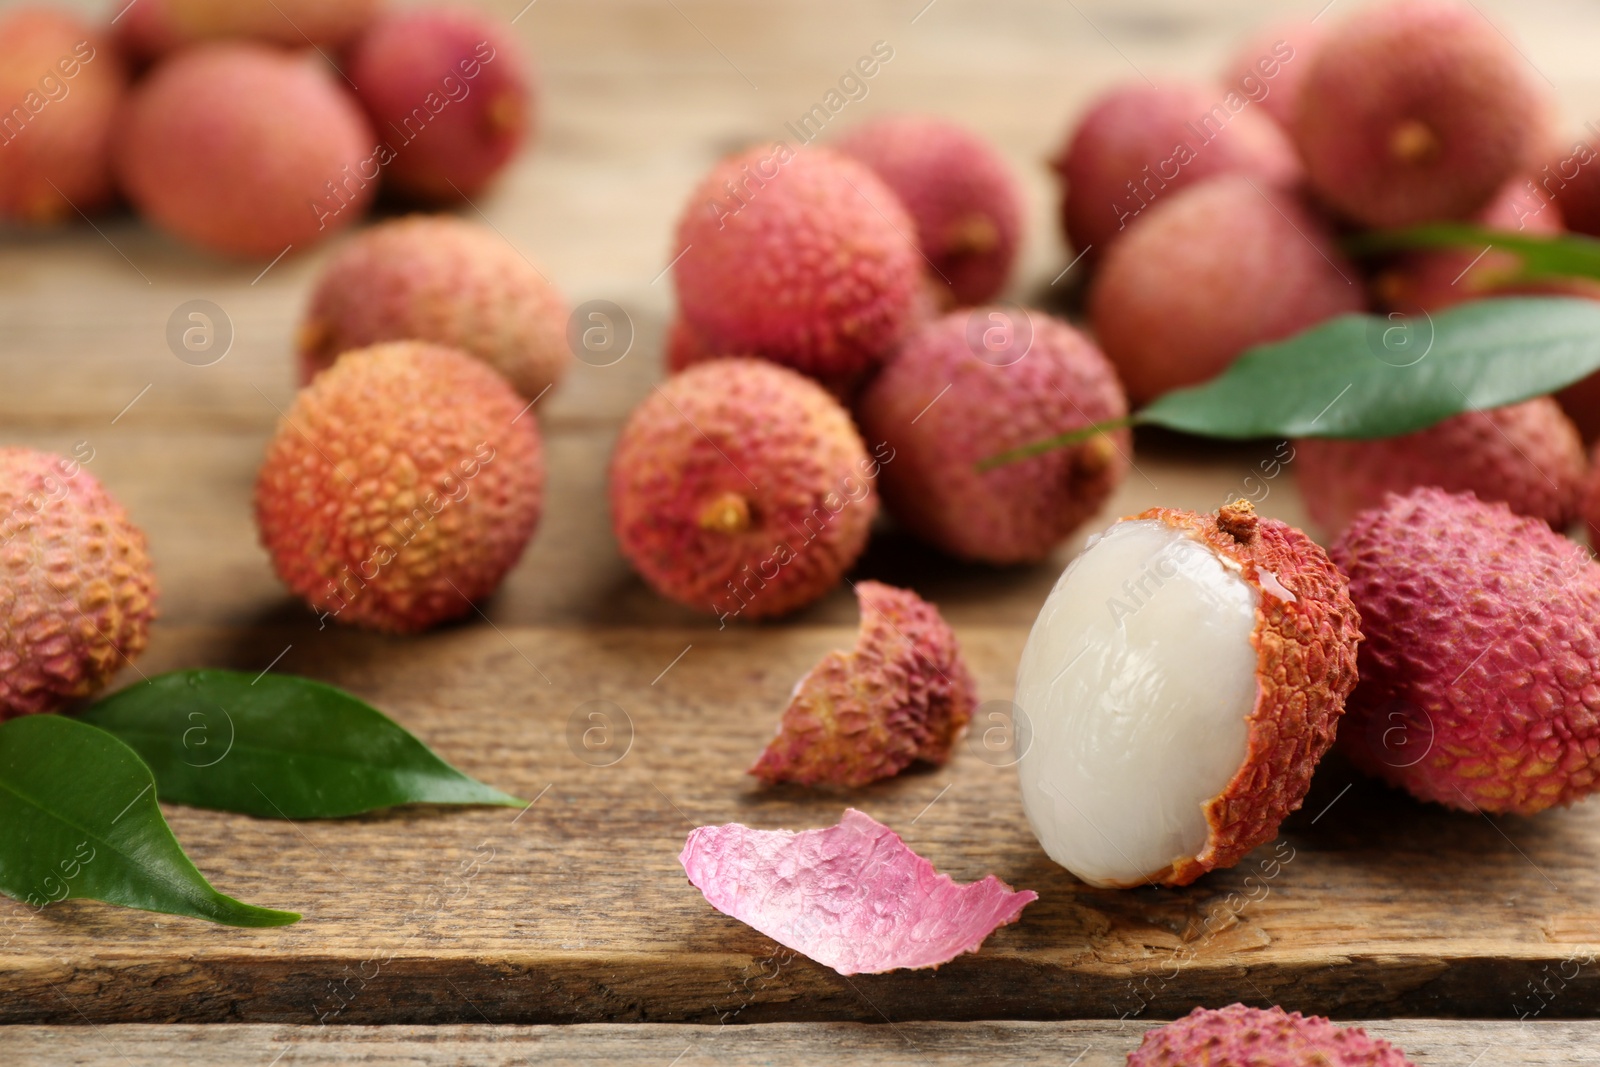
(1365, 376)
(1565, 255)
(278, 746)
(78, 819)
(1369, 376)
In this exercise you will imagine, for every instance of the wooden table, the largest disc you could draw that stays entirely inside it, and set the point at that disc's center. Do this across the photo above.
(576, 912)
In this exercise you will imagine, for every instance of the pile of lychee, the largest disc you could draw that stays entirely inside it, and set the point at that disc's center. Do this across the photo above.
(254, 127)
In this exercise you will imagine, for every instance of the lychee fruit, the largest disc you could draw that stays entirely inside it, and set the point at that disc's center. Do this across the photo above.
(1432, 280)
(1183, 679)
(1482, 654)
(960, 193)
(1571, 177)
(452, 93)
(245, 150)
(61, 82)
(441, 279)
(401, 486)
(741, 488)
(1527, 455)
(1270, 67)
(1581, 402)
(152, 28)
(1416, 111)
(971, 386)
(804, 258)
(1212, 271)
(1237, 1036)
(684, 348)
(902, 695)
(78, 594)
(1140, 144)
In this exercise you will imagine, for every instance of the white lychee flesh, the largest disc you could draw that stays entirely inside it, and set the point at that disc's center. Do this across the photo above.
(1136, 685)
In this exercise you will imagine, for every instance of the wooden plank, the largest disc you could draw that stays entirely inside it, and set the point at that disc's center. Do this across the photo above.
(1081, 1044)
(578, 911)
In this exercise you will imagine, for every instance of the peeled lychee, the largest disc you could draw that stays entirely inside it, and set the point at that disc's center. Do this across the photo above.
(1527, 455)
(903, 694)
(78, 593)
(1216, 269)
(152, 28)
(246, 150)
(1139, 145)
(1436, 279)
(972, 385)
(445, 280)
(452, 93)
(60, 83)
(401, 487)
(1270, 68)
(1183, 679)
(1416, 111)
(741, 488)
(960, 193)
(804, 258)
(1481, 666)
(1237, 1036)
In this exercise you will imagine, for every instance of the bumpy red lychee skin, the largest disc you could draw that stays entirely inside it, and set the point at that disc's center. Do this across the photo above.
(444, 280)
(77, 592)
(1480, 674)
(1210, 272)
(960, 193)
(1237, 1036)
(401, 486)
(1416, 111)
(61, 83)
(1581, 400)
(1434, 280)
(802, 257)
(945, 403)
(903, 694)
(152, 28)
(741, 488)
(1528, 455)
(1160, 127)
(1274, 61)
(1306, 667)
(245, 150)
(452, 92)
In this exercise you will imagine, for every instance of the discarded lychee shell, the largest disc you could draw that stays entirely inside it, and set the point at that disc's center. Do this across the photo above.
(1184, 677)
(1480, 674)
(741, 488)
(1237, 1036)
(1528, 455)
(902, 694)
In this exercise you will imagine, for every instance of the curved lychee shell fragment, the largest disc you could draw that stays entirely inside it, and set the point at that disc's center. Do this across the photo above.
(1183, 679)
(1237, 1036)
(902, 694)
(1480, 674)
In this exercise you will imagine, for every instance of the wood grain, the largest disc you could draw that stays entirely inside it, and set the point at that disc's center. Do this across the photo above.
(576, 911)
(1085, 1044)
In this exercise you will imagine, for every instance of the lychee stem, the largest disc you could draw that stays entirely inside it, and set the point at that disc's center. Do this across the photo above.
(1238, 520)
(1413, 141)
(727, 512)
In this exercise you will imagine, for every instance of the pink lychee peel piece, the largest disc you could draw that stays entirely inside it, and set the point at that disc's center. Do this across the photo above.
(903, 694)
(853, 897)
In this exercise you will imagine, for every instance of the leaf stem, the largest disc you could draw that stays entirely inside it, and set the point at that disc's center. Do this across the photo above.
(1063, 440)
